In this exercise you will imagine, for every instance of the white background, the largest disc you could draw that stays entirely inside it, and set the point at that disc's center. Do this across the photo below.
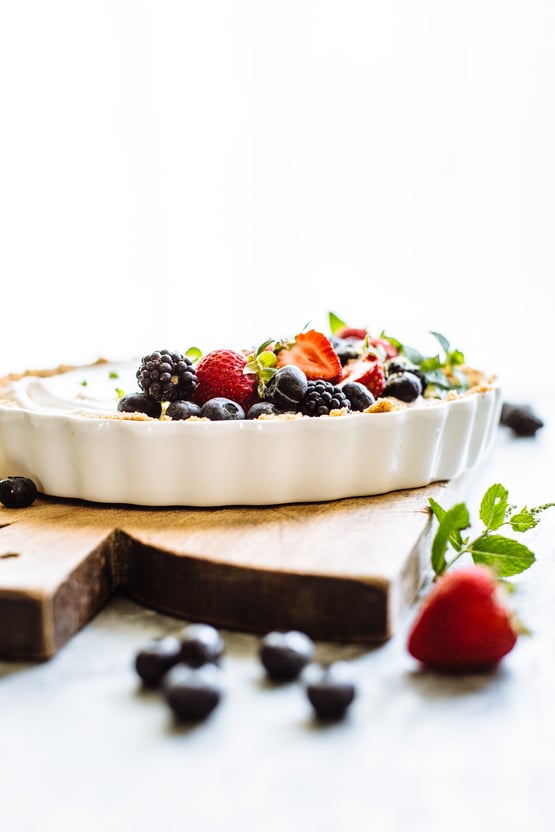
(215, 173)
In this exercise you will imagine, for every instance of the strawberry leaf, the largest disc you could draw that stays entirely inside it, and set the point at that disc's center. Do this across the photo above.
(452, 522)
(505, 555)
(493, 507)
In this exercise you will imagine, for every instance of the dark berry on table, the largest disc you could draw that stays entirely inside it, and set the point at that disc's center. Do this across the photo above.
(262, 409)
(140, 403)
(286, 388)
(192, 692)
(404, 386)
(221, 409)
(321, 398)
(201, 643)
(181, 409)
(284, 655)
(167, 376)
(521, 418)
(17, 492)
(330, 690)
(347, 349)
(156, 658)
(358, 394)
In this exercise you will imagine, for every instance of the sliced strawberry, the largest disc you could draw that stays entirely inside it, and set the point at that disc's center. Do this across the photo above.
(312, 352)
(462, 625)
(381, 344)
(222, 373)
(368, 371)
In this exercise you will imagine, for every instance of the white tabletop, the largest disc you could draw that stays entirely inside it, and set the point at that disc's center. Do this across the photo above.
(84, 747)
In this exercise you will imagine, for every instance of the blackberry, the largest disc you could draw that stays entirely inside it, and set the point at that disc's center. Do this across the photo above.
(167, 376)
(322, 397)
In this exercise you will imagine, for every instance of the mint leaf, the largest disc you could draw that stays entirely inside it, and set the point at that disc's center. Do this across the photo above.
(443, 342)
(523, 521)
(455, 538)
(335, 323)
(452, 522)
(505, 555)
(493, 507)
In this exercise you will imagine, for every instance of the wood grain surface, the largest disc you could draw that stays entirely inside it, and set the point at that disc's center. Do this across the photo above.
(343, 570)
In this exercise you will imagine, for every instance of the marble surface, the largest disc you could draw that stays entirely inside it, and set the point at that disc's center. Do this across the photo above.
(83, 747)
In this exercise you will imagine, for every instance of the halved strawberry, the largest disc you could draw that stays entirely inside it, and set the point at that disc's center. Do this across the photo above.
(367, 370)
(351, 332)
(381, 344)
(312, 352)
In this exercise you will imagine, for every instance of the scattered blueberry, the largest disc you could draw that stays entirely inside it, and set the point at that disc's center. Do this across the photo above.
(284, 655)
(181, 409)
(221, 409)
(140, 403)
(330, 690)
(404, 386)
(192, 692)
(17, 492)
(156, 658)
(262, 409)
(286, 387)
(521, 418)
(201, 643)
(358, 394)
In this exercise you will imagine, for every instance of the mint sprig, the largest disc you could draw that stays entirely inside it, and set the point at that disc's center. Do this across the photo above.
(442, 370)
(505, 555)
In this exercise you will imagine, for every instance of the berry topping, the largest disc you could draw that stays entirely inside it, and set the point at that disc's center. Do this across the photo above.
(401, 364)
(262, 409)
(347, 349)
(368, 371)
(286, 387)
(221, 409)
(359, 396)
(192, 693)
(321, 398)
(224, 374)
(201, 643)
(313, 353)
(166, 376)
(181, 409)
(156, 658)
(284, 655)
(330, 690)
(17, 492)
(140, 403)
(403, 386)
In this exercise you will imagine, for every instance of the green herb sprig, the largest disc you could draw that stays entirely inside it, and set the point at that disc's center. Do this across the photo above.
(505, 555)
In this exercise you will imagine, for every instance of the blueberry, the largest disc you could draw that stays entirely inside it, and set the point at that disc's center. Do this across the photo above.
(347, 349)
(286, 387)
(401, 364)
(330, 690)
(156, 658)
(140, 403)
(521, 418)
(201, 643)
(284, 655)
(404, 386)
(17, 492)
(359, 396)
(192, 692)
(221, 409)
(262, 409)
(181, 409)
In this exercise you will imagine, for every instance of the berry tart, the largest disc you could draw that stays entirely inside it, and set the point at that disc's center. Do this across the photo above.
(314, 417)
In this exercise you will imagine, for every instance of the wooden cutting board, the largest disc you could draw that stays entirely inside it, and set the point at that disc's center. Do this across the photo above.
(344, 570)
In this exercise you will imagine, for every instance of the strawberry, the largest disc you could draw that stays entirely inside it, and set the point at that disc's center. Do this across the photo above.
(367, 370)
(388, 349)
(312, 352)
(463, 625)
(222, 373)
(351, 332)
